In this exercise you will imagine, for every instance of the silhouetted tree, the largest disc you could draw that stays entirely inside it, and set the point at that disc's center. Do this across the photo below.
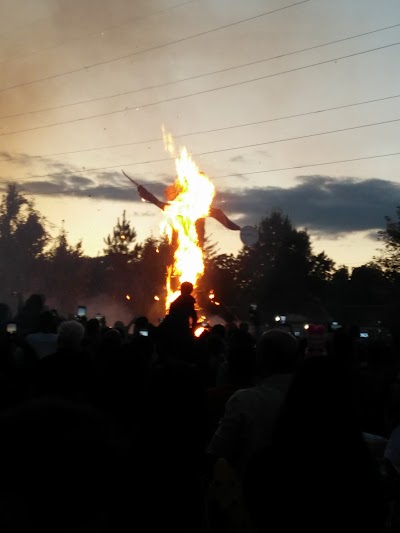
(273, 273)
(368, 285)
(148, 283)
(221, 275)
(23, 237)
(121, 256)
(65, 274)
(389, 259)
(122, 240)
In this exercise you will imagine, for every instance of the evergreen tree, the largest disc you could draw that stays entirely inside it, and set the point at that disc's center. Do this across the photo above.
(23, 237)
(122, 240)
(65, 274)
(389, 259)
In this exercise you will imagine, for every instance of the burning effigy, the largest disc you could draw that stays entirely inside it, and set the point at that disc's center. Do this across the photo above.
(189, 202)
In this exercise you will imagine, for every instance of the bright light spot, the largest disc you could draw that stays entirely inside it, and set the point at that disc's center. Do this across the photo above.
(211, 296)
(277, 319)
(156, 298)
(127, 297)
(217, 303)
(157, 251)
(123, 237)
(306, 326)
(199, 331)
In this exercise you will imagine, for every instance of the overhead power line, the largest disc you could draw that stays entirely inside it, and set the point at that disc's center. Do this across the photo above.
(214, 130)
(200, 132)
(151, 49)
(295, 167)
(221, 150)
(197, 76)
(93, 34)
(309, 165)
(205, 91)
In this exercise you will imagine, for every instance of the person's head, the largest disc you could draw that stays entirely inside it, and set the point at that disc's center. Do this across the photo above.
(120, 326)
(111, 340)
(35, 302)
(320, 401)
(47, 322)
(92, 327)
(70, 335)
(186, 288)
(277, 352)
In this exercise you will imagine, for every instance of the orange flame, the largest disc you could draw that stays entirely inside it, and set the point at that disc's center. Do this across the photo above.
(199, 331)
(189, 199)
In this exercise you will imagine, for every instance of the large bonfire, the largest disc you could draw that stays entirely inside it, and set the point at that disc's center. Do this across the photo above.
(189, 199)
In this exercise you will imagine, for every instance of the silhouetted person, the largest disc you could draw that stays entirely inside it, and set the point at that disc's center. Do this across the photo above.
(317, 474)
(182, 309)
(173, 438)
(67, 371)
(250, 414)
(29, 316)
(66, 470)
(237, 374)
(44, 341)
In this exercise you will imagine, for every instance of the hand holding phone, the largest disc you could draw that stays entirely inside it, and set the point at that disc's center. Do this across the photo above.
(81, 312)
(11, 328)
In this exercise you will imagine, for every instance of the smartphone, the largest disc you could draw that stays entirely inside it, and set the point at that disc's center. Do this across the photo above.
(81, 311)
(99, 317)
(144, 332)
(11, 327)
(364, 335)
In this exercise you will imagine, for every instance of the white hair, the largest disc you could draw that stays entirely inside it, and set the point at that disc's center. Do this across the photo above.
(70, 334)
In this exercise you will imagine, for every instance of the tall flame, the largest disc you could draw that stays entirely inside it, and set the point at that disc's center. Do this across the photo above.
(189, 199)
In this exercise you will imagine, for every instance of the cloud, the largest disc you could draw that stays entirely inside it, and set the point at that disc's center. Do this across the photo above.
(106, 185)
(322, 204)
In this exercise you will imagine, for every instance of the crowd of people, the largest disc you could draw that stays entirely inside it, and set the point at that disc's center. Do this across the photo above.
(148, 428)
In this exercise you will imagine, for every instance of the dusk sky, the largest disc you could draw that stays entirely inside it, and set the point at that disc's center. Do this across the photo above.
(284, 104)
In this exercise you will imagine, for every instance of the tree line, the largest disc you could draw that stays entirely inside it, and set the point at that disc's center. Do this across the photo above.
(278, 275)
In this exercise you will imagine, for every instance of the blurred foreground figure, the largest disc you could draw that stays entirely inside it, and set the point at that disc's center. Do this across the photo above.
(317, 474)
(64, 469)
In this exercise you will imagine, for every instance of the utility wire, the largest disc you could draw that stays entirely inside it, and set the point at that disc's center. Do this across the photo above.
(310, 165)
(197, 76)
(214, 130)
(205, 91)
(253, 145)
(151, 49)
